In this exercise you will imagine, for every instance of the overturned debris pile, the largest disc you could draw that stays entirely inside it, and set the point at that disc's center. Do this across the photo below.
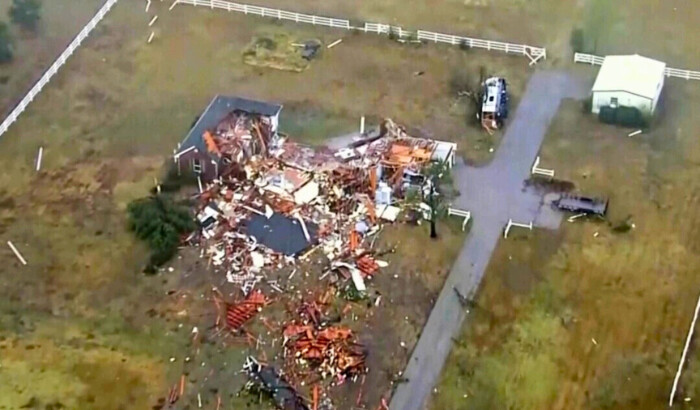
(332, 350)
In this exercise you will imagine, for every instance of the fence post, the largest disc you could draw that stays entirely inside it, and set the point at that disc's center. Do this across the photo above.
(279, 14)
(313, 20)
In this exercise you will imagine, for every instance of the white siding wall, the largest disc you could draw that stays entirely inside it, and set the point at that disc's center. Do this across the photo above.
(602, 99)
(659, 87)
(275, 122)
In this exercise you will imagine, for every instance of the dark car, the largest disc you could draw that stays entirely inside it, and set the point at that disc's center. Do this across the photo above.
(582, 204)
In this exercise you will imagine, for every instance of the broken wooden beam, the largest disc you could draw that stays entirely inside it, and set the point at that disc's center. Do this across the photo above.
(16, 252)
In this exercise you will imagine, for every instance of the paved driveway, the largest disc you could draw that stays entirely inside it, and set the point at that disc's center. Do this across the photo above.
(493, 194)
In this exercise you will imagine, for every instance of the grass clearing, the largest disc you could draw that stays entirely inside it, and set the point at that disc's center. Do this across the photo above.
(116, 110)
(606, 314)
(614, 305)
(34, 52)
(108, 122)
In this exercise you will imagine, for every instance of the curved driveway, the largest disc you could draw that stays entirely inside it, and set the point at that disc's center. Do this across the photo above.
(493, 194)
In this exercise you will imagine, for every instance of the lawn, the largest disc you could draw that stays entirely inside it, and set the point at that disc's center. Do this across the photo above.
(591, 316)
(34, 52)
(108, 122)
(659, 29)
(80, 315)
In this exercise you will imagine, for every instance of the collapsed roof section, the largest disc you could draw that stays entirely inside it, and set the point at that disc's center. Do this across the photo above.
(233, 128)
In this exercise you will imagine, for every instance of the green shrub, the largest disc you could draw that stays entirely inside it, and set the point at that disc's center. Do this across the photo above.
(577, 41)
(173, 181)
(160, 222)
(6, 44)
(26, 13)
(607, 115)
(587, 105)
(623, 116)
(630, 117)
(393, 34)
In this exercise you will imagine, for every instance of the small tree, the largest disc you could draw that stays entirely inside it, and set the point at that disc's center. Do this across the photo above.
(437, 173)
(26, 13)
(6, 46)
(160, 222)
(577, 41)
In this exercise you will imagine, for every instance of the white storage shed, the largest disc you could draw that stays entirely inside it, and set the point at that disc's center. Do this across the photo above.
(628, 81)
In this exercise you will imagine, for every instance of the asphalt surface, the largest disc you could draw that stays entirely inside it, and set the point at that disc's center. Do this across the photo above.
(493, 194)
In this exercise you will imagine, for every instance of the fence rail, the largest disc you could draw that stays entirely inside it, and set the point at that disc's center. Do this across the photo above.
(48, 74)
(533, 53)
(588, 59)
(669, 72)
(268, 12)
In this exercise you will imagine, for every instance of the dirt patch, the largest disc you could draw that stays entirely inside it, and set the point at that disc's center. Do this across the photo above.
(279, 51)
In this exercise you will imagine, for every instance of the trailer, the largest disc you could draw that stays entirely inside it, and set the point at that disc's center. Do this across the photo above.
(494, 103)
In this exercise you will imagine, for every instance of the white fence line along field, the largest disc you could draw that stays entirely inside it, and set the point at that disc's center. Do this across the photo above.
(533, 53)
(670, 72)
(36, 89)
(268, 12)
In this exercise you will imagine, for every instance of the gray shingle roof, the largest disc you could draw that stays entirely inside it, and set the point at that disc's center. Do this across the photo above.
(218, 108)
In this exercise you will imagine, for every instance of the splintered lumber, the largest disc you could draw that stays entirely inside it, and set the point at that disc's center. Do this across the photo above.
(16, 252)
(335, 43)
(38, 158)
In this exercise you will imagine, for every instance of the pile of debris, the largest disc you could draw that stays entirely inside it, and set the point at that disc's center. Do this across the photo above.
(237, 314)
(239, 136)
(274, 203)
(332, 351)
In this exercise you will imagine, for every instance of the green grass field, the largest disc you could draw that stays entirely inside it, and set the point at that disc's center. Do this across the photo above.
(81, 315)
(81, 326)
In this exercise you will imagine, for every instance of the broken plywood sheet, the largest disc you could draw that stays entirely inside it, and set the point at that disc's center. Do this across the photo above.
(306, 193)
(388, 212)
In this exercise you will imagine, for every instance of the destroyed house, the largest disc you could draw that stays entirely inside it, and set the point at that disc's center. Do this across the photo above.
(396, 160)
(229, 131)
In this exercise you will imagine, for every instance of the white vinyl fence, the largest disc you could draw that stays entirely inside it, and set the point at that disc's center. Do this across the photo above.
(36, 89)
(267, 12)
(670, 72)
(533, 53)
(588, 59)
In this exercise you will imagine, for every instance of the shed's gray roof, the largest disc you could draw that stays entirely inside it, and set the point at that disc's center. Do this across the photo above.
(218, 108)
